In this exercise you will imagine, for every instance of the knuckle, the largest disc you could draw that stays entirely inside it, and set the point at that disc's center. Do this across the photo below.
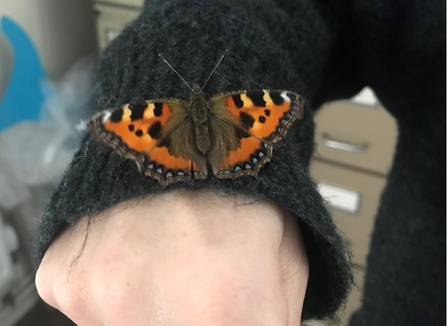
(71, 298)
(44, 287)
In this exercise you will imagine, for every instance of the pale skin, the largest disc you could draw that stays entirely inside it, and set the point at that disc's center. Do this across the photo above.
(182, 258)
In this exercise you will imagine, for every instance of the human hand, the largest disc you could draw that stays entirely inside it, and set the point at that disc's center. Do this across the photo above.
(182, 258)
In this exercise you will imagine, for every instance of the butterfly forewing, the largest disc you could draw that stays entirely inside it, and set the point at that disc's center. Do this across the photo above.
(138, 130)
(262, 117)
(265, 114)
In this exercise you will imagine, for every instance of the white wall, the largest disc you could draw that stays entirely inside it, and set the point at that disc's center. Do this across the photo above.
(62, 30)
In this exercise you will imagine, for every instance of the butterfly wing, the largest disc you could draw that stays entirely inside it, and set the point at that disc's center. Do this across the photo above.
(142, 131)
(260, 119)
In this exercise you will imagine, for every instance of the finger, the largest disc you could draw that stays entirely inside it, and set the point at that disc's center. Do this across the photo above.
(44, 281)
(62, 278)
(61, 288)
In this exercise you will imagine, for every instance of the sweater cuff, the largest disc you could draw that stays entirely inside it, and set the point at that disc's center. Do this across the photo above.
(267, 50)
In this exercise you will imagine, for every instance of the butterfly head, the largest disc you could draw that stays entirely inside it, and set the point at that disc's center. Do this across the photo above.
(196, 89)
(196, 92)
(198, 105)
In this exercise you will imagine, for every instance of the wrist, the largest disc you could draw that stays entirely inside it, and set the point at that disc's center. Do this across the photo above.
(187, 256)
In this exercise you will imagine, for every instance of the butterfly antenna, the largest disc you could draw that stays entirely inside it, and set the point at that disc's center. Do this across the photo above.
(160, 55)
(215, 67)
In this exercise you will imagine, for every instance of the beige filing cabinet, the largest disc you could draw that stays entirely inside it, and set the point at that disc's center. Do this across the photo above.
(113, 16)
(355, 143)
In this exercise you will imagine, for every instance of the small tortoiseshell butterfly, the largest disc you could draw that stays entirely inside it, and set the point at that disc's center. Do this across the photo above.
(230, 135)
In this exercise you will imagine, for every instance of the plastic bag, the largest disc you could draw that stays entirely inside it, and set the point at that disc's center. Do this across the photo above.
(37, 153)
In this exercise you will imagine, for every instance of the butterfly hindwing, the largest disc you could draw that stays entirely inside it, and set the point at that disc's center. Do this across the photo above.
(245, 160)
(138, 131)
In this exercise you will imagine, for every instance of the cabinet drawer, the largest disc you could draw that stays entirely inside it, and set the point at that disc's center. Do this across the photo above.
(129, 3)
(111, 20)
(354, 198)
(356, 135)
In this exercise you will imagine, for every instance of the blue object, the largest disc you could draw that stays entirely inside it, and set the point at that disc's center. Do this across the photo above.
(25, 93)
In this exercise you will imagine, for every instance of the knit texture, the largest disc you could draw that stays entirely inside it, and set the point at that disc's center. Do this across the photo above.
(323, 50)
(265, 51)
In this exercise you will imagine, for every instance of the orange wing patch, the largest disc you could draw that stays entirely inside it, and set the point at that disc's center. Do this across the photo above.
(134, 131)
(165, 167)
(265, 114)
(138, 126)
(246, 160)
(170, 162)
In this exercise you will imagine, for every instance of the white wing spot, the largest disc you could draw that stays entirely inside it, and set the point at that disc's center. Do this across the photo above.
(285, 97)
(106, 116)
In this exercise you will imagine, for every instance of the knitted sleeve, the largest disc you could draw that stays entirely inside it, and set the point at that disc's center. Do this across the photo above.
(398, 49)
(314, 48)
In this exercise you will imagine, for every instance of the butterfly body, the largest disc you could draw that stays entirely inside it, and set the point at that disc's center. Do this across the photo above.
(199, 117)
(229, 135)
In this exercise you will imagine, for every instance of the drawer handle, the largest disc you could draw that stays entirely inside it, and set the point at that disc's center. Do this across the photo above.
(353, 148)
